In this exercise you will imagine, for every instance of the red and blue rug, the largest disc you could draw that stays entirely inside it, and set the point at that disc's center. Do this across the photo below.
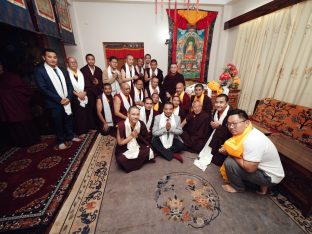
(35, 180)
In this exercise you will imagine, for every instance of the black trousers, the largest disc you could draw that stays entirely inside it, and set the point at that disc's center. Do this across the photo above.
(63, 125)
(177, 146)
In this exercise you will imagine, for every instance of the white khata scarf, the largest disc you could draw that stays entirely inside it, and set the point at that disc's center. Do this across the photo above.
(125, 101)
(59, 85)
(151, 72)
(139, 70)
(143, 118)
(167, 138)
(152, 90)
(107, 111)
(78, 85)
(205, 155)
(133, 146)
(128, 73)
(115, 84)
(176, 111)
(138, 97)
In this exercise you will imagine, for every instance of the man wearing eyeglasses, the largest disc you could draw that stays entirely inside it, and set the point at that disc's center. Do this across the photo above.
(253, 157)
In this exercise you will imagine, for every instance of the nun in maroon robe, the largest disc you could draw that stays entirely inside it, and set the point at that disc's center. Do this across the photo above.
(93, 87)
(143, 157)
(15, 112)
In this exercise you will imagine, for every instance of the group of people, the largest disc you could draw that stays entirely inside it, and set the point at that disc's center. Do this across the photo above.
(152, 115)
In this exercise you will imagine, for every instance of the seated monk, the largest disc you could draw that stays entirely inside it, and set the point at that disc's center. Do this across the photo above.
(177, 110)
(105, 110)
(166, 131)
(122, 102)
(133, 149)
(203, 98)
(220, 134)
(253, 158)
(157, 105)
(152, 87)
(196, 129)
(138, 93)
(147, 116)
(185, 101)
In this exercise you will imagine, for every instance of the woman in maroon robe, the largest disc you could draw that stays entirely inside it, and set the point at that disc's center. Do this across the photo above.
(141, 137)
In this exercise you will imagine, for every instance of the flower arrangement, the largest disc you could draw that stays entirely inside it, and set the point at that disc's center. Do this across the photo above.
(229, 77)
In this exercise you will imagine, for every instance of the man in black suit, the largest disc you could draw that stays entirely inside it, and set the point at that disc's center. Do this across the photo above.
(57, 89)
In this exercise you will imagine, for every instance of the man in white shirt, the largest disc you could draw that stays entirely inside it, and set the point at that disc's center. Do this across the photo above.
(260, 163)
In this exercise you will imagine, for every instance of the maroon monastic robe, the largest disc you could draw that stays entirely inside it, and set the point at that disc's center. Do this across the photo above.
(160, 76)
(122, 110)
(132, 81)
(185, 104)
(15, 115)
(221, 134)
(92, 92)
(207, 104)
(170, 83)
(197, 131)
(129, 165)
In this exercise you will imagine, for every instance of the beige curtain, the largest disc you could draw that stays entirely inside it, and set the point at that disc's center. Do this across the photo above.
(273, 54)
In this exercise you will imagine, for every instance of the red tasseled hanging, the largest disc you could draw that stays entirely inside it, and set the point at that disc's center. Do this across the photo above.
(155, 7)
(188, 4)
(162, 4)
(169, 4)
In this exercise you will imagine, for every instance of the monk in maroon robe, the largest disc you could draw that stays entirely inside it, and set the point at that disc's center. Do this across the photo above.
(147, 115)
(105, 112)
(157, 105)
(185, 101)
(196, 129)
(170, 82)
(15, 115)
(93, 87)
(122, 102)
(129, 130)
(222, 132)
(128, 74)
(177, 110)
(153, 71)
(203, 98)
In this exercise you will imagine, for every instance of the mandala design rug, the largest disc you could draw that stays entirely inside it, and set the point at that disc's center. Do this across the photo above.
(187, 198)
(305, 223)
(34, 181)
(80, 211)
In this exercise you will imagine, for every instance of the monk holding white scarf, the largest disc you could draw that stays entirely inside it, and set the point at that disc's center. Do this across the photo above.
(122, 102)
(128, 74)
(112, 76)
(105, 110)
(147, 115)
(80, 99)
(133, 149)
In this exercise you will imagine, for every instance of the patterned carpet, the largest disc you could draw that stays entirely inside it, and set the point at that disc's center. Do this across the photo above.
(187, 198)
(34, 181)
(80, 211)
(305, 223)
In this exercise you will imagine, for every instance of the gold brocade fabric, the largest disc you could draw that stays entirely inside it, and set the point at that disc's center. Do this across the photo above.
(192, 16)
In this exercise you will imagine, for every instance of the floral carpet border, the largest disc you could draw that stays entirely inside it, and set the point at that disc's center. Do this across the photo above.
(81, 211)
(305, 223)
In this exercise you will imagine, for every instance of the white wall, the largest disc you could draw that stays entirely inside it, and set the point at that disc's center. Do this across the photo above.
(95, 22)
(98, 22)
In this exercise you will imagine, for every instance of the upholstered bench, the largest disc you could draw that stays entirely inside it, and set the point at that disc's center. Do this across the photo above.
(289, 127)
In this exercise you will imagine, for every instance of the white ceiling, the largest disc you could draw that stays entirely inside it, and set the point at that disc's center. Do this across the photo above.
(205, 2)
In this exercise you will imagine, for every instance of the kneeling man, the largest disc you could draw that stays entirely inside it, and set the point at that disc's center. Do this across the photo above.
(133, 150)
(253, 156)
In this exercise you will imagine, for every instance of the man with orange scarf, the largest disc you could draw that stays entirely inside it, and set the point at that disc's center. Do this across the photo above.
(253, 157)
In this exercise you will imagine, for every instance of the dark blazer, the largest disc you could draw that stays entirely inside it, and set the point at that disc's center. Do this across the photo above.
(46, 87)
